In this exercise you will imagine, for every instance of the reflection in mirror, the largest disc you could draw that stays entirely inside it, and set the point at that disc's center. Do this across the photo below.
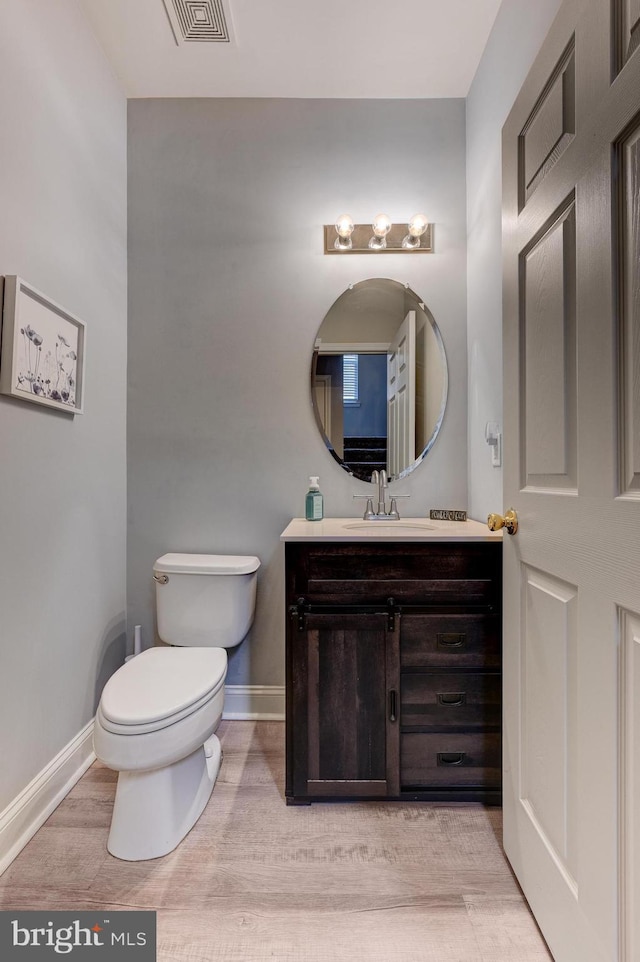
(379, 379)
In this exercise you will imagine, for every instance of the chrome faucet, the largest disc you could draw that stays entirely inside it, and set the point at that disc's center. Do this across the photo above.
(379, 478)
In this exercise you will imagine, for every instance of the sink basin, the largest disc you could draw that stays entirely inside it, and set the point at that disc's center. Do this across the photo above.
(389, 525)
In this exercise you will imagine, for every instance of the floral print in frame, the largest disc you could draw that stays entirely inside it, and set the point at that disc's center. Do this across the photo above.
(42, 357)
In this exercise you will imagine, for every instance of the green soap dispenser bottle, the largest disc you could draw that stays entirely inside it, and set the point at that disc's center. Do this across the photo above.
(313, 504)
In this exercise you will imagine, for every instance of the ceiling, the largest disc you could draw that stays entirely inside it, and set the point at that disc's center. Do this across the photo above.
(299, 48)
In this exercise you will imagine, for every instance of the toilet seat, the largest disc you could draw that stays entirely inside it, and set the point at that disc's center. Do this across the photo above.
(159, 687)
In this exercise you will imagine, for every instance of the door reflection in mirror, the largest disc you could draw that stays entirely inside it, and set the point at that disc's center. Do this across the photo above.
(402, 379)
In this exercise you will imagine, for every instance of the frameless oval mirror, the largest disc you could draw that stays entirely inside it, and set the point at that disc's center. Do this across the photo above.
(379, 379)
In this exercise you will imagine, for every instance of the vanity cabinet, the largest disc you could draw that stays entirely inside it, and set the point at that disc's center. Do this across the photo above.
(393, 670)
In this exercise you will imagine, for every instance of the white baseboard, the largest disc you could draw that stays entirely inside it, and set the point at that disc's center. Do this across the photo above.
(254, 702)
(23, 817)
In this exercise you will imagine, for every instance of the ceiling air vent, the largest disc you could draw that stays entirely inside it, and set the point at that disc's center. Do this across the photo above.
(198, 21)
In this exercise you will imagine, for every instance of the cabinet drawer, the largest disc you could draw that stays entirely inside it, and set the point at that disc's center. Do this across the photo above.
(451, 700)
(443, 574)
(459, 761)
(459, 641)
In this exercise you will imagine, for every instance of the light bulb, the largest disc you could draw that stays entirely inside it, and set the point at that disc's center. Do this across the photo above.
(416, 227)
(381, 226)
(344, 230)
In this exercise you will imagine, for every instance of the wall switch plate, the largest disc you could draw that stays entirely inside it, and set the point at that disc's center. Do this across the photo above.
(496, 452)
(493, 437)
(447, 514)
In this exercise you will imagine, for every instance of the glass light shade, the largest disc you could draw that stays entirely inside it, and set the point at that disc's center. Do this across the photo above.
(344, 229)
(416, 227)
(381, 226)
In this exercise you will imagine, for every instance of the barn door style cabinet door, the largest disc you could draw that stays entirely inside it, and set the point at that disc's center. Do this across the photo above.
(346, 701)
(393, 671)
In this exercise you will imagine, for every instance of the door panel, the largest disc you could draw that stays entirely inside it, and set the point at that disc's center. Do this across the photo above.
(549, 362)
(630, 781)
(626, 15)
(548, 705)
(549, 129)
(571, 432)
(322, 391)
(629, 238)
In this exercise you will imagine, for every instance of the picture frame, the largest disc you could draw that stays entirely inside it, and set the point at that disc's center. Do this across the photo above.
(43, 349)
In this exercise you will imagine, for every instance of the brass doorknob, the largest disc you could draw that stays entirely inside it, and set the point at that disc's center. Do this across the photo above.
(510, 521)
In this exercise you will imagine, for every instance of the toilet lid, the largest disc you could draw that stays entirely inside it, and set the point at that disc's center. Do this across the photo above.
(207, 564)
(161, 682)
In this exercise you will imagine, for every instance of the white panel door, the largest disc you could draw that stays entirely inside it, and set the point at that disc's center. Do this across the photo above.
(401, 397)
(571, 221)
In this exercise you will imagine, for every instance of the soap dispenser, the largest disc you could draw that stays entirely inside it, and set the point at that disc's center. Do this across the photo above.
(314, 510)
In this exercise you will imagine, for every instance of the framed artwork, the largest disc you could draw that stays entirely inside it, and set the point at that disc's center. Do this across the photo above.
(43, 348)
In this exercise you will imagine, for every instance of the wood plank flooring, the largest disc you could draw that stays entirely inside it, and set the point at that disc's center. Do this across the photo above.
(256, 880)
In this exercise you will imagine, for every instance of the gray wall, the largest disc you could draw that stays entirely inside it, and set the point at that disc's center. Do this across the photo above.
(518, 32)
(62, 509)
(228, 286)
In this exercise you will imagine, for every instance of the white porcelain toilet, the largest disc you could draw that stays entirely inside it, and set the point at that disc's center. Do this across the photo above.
(157, 716)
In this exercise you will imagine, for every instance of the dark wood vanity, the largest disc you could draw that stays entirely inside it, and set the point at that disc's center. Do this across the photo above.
(393, 669)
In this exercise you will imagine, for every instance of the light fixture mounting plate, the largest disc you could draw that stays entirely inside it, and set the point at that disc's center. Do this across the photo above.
(362, 234)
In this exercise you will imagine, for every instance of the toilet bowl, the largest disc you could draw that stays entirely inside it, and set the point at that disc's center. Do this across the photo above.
(158, 714)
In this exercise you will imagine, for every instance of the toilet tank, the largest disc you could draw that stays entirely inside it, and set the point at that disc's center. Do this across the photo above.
(205, 600)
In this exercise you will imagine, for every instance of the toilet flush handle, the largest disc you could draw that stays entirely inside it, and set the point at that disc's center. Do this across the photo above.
(161, 579)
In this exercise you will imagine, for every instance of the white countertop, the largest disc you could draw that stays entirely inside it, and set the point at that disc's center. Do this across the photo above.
(407, 529)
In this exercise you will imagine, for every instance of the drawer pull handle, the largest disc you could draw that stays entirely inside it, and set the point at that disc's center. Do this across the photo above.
(452, 699)
(451, 758)
(451, 639)
(393, 705)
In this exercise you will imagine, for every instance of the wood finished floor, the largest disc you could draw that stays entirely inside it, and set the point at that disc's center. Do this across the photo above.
(256, 880)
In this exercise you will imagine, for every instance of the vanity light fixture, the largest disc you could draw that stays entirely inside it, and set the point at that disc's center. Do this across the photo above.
(345, 237)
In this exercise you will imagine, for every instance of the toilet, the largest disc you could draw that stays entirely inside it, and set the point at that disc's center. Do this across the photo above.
(157, 716)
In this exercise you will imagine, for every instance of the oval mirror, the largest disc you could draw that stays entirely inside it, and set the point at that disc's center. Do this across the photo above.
(379, 379)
